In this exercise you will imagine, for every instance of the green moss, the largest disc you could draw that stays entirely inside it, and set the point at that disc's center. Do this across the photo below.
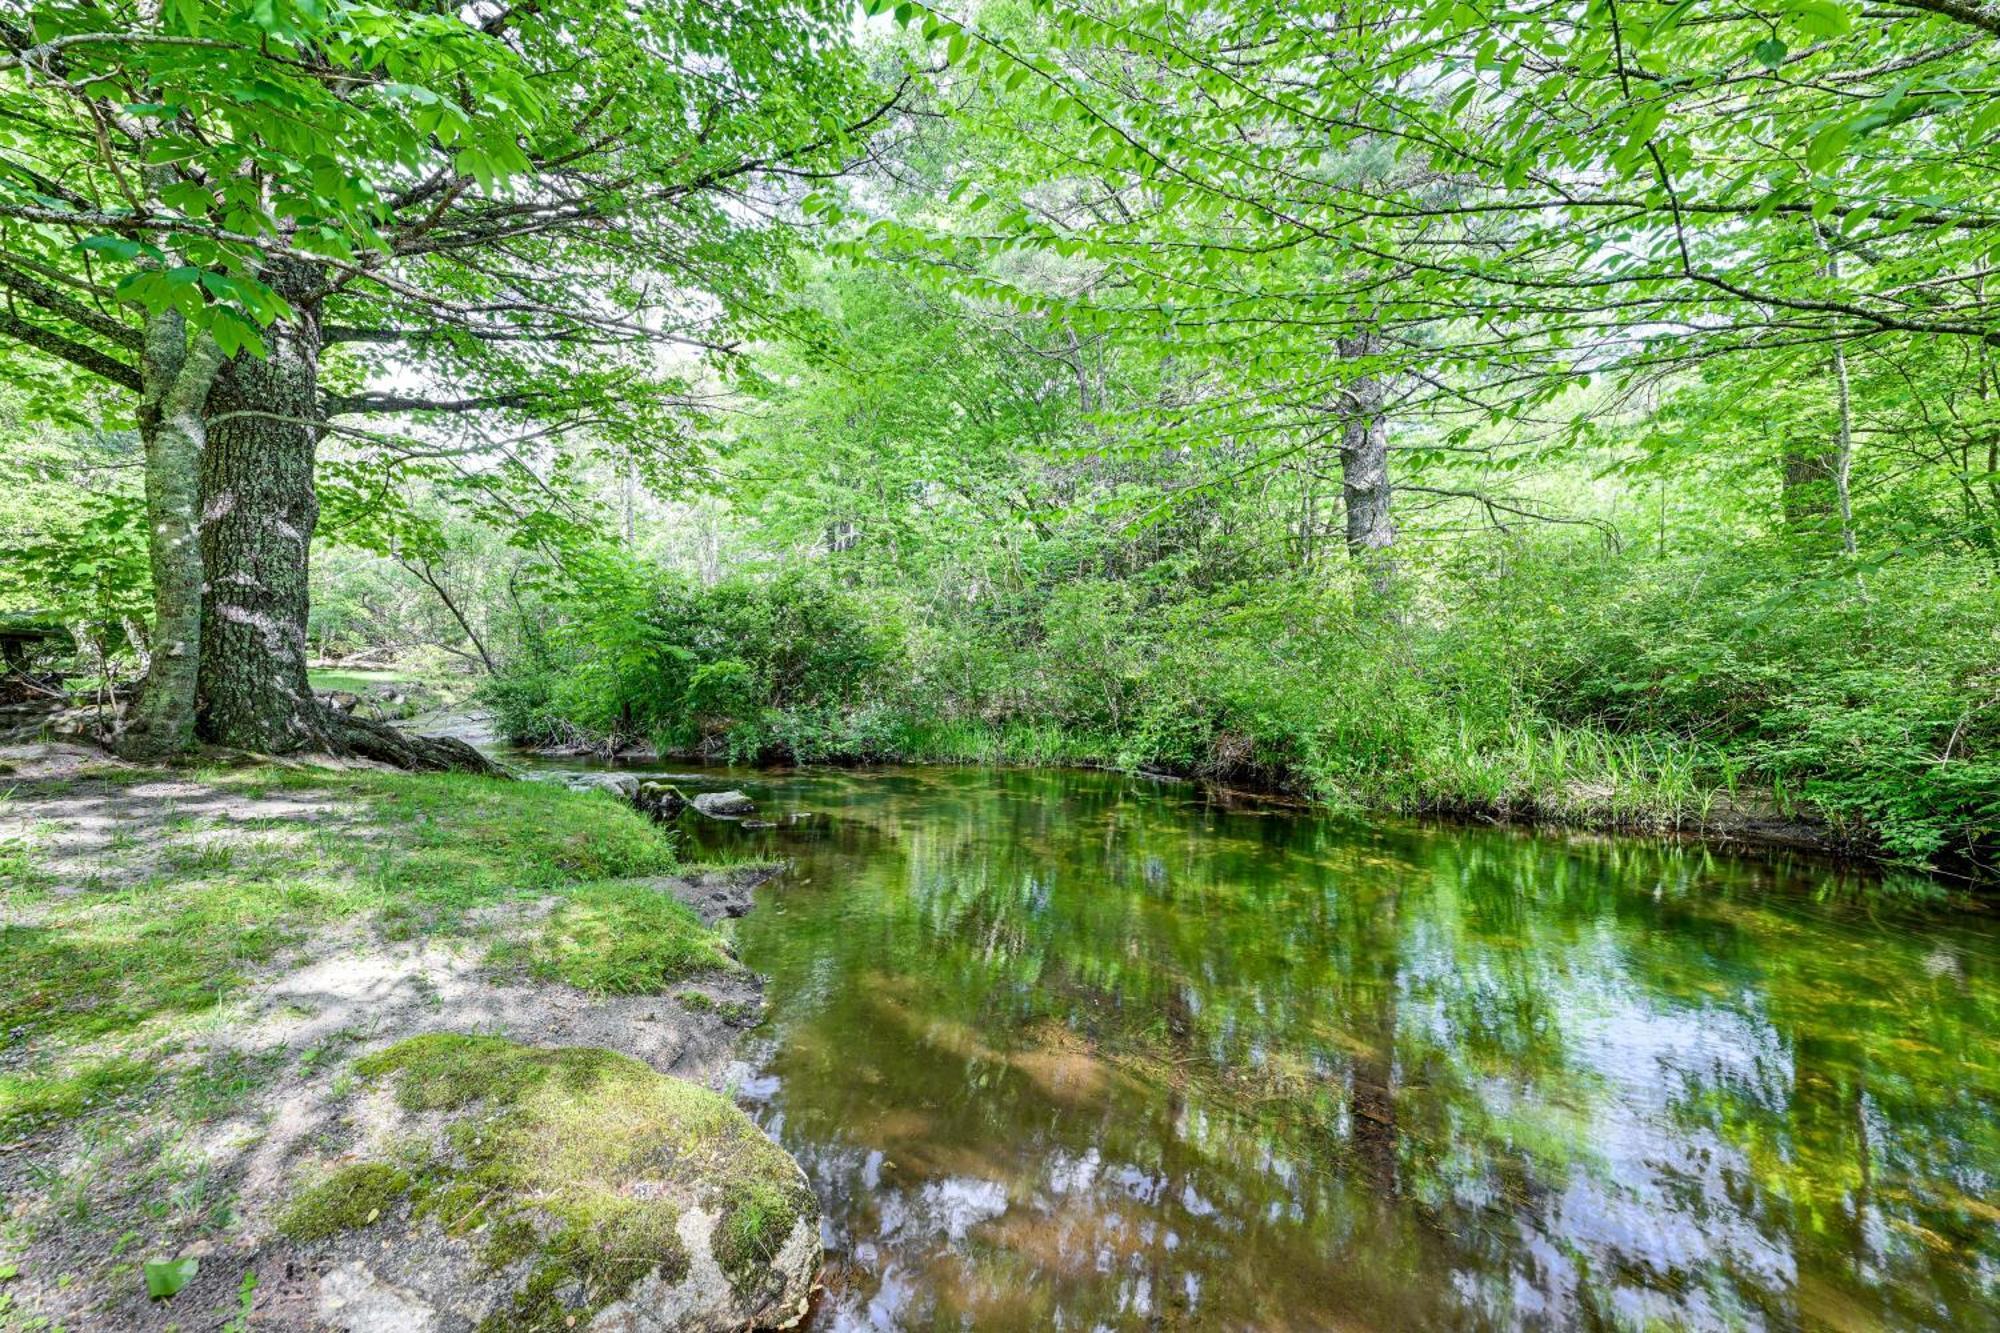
(619, 939)
(545, 1147)
(351, 1197)
(739, 1012)
(757, 1217)
(510, 1241)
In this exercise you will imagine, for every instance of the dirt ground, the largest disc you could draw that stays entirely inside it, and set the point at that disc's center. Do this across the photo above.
(263, 1078)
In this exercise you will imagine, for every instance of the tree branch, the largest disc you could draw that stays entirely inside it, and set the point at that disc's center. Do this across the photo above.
(1983, 16)
(101, 364)
(68, 307)
(357, 404)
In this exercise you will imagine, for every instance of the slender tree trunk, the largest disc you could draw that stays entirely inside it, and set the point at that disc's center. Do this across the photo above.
(1364, 473)
(1843, 452)
(177, 376)
(259, 509)
(1843, 468)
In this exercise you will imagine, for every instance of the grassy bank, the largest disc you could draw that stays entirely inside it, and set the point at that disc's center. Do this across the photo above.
(1534, 772)
(191, 960)
(208, 878)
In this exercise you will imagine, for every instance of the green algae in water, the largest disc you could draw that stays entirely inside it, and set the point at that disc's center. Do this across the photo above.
(1067, 1046)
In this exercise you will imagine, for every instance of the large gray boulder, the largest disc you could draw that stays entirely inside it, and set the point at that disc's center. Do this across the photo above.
(625, 786)
(501, 1186)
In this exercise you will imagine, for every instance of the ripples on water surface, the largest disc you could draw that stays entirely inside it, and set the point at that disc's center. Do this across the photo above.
(1073, 1051)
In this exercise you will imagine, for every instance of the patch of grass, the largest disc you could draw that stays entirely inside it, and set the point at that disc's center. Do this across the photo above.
(961, 740)
(28, 1101)
(351, 1197)
(358, 680)
(758, 1217)
(618, 939)
(222, 1082)
(421, 849)
(21, 880)
(544, 1146)
(128, 959)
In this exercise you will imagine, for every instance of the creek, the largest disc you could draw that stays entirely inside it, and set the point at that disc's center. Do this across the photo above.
(1075, 1050)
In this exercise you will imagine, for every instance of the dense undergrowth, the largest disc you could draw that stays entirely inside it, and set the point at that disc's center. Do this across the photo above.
(1556, 682)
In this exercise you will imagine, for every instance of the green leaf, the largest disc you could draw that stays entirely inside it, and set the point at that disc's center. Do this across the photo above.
(118, 247)
(164, 1277)
(1827, 146)
(1770, 52)
(1819, 18)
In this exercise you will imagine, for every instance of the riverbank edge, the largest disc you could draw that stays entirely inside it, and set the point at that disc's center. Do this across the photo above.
(111, 1087)
(1719, 817)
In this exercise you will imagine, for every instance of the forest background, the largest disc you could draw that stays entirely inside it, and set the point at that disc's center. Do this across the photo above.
(1584, 413)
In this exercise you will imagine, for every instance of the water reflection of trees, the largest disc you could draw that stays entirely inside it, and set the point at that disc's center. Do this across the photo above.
(1249, 1067)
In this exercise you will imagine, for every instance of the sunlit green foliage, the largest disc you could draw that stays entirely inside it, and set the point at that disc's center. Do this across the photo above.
(741, 668)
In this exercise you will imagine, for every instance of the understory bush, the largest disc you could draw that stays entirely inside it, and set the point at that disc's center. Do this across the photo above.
(743, 669)
(1562, 682)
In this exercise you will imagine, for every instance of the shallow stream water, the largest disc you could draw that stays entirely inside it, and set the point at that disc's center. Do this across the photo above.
(1072, 1050)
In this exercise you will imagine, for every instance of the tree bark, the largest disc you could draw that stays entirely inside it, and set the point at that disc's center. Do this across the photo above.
(258, 511)
(176, 376)
(1806, 485)
(1364, 473)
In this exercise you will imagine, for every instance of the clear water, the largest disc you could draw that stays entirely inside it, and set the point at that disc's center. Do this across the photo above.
(1069, 1050)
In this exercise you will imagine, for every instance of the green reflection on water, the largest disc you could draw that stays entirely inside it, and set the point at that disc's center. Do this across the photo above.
(1072, 1050)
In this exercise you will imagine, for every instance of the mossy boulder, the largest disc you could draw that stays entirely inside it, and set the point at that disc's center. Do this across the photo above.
(503, 1187)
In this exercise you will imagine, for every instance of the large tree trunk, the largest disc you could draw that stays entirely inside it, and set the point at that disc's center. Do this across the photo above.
(258, 512)
(1364, 473)
(176, 377)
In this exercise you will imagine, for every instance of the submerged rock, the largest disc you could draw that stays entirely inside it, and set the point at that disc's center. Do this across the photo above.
(624, 786)
(508, 1187)
(715, 894)
(725, 804)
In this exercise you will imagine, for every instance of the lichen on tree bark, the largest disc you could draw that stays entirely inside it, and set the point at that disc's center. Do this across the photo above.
(176, 373)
